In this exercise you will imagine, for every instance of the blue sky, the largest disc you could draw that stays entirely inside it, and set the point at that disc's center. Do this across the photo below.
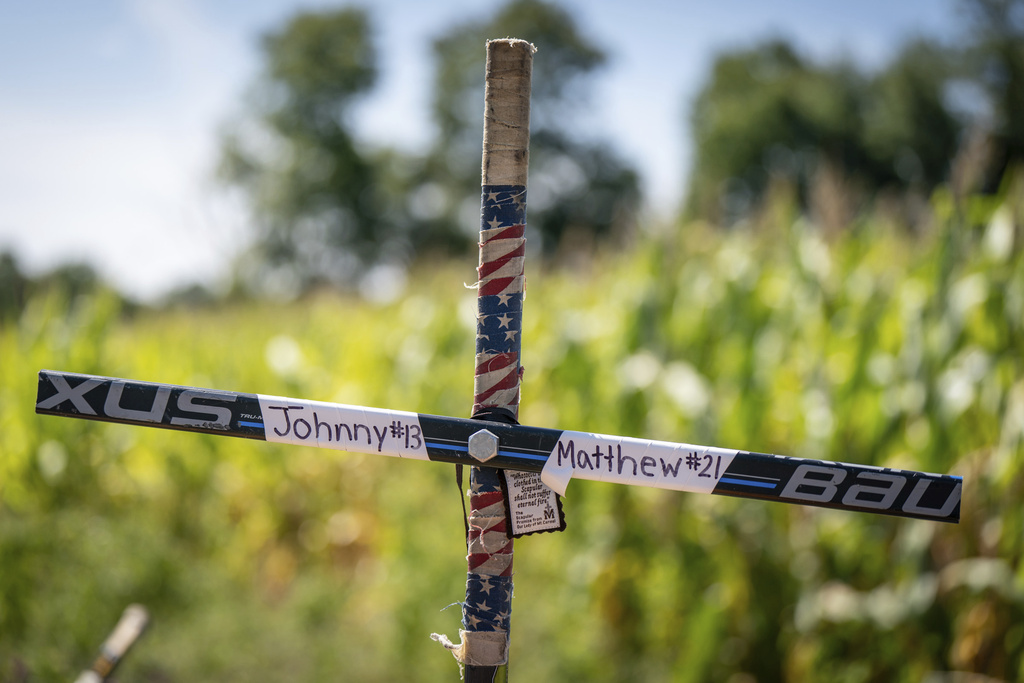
(110, 110)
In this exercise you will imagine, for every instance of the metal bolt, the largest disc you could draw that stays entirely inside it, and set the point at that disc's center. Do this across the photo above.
(483, 445)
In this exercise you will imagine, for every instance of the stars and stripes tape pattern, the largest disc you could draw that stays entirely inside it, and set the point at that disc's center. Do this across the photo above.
(500, 283)
(488, 605)
(489, 548)
(491, 612)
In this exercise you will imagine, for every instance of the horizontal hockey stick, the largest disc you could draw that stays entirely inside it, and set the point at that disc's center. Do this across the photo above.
(558, 455)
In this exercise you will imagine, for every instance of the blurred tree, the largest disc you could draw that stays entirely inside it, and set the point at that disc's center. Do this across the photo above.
(768, 113)
(312, 191)
(576, 186)
(327, 210)
(910, 133)
(996, 44)
(69, 280)
(73, 279)
(14, 286)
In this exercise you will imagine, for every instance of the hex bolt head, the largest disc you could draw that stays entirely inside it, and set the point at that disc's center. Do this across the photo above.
(483, 445)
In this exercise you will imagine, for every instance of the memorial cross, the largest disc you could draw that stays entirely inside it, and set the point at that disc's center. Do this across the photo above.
(503, 455)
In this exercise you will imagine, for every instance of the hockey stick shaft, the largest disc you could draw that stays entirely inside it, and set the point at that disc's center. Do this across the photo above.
(487, 609)
(558, 454)
(129, 627)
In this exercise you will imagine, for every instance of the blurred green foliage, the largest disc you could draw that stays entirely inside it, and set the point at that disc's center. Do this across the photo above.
(266, 562)
(996, 58)
(769, 114)
(72, 280)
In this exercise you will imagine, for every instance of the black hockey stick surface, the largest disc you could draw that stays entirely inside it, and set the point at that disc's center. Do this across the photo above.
(558, 455)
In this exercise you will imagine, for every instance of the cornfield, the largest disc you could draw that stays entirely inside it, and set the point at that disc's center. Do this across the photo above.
(871, 345)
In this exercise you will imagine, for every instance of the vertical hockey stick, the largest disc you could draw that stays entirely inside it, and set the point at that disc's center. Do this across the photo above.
(486, 613)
